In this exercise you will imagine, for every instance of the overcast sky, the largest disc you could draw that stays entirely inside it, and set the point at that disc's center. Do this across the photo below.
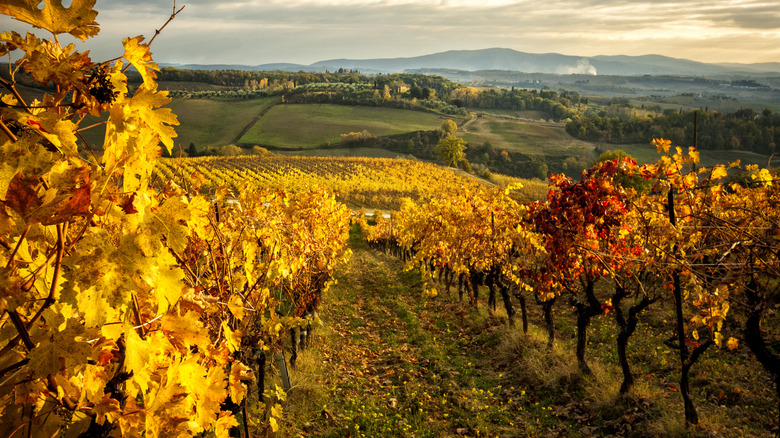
(305, 31)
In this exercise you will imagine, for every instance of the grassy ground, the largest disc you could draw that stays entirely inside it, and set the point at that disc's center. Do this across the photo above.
(214, 122)
(527, 137)
(389, 363)
(308, 126)
(711, 103)
(204, 122)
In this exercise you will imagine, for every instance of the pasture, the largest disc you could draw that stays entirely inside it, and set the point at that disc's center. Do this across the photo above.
(215, 122)
(309, 126)
(534, 138)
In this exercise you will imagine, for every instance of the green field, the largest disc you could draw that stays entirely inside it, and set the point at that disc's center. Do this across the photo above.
(205, 122)
(532, 138)
(308, 126)
(214, 122)
(689, 103)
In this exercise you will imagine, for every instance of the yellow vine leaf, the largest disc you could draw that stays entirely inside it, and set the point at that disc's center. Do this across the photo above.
(693, 155)
(198, 222)
(763, 177)
(161, 121)
(97, 311)
(236, 306)
(232, 339)
(225, 422)
(107, 409)
(732, 343)
(139, 56)
(77, 20)
(210, 397)
(238, 374)
(138, 354)
(187, 330)
(94, 382)
(662, 145)
(166, 277)
(192, 376)
(274, 424)
(60, 348)
(718, 172)
(164, 407)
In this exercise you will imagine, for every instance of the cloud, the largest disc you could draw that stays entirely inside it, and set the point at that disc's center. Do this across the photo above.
(306, 31)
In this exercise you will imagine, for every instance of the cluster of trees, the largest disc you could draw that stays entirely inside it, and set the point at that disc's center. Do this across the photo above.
(357, 95)
(515, 163)
(557, 105)
(228, 150)
(742, 130)
(409, 85)
(248, 79)
(219, 94)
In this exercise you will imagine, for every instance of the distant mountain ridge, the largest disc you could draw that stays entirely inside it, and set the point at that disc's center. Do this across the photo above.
(513, 60)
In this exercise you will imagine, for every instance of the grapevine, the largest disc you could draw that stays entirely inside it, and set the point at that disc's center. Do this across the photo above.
(129, 307)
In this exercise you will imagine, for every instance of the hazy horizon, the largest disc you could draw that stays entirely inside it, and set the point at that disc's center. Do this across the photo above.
(257, 32)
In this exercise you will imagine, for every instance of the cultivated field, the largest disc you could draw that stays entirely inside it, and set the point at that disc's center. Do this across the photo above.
(534, 138)
(215, 122)
(308, 126)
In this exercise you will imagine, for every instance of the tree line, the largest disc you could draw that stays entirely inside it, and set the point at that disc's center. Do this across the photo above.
(742, 130)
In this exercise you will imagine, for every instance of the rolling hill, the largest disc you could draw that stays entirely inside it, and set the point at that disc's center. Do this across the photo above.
(513, 60)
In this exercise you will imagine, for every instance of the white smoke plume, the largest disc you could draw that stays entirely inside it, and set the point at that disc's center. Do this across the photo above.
(582, 67)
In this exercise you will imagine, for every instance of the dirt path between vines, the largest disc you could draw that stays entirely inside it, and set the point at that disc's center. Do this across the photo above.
(396, 364)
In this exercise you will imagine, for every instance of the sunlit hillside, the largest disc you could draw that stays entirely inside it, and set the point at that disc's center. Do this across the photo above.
(359, 182)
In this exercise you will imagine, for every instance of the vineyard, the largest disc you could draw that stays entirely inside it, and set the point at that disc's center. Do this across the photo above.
(149, 297)
(358, 182)
(611, 243)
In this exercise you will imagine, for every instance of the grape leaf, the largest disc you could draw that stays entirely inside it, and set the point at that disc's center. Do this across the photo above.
(139, 56)
(22, 196)
(138, 354)
(236, 306)
(160, 121)
(94, 382)
(238, 374)
(93, 303)
(186, 330)
(107, 409)
(232, 339)
(211, 397)
(27, 197)
(224, 423)
(59, 350)
(77, 20)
